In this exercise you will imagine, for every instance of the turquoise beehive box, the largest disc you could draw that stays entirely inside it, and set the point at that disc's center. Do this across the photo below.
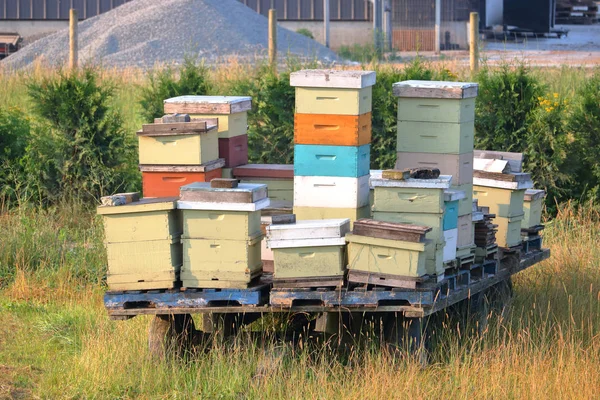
(343, 161)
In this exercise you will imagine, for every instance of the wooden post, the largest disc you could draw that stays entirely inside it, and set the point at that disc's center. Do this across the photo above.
(326, 23)
(377, 24)
(73, 39)
(387, 24)
(438, 23)
(474, 41)
(273, 38)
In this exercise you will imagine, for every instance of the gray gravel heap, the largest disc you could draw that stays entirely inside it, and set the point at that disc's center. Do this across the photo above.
(143, 33)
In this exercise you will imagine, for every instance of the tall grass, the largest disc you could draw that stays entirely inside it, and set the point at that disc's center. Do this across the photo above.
(57, 342)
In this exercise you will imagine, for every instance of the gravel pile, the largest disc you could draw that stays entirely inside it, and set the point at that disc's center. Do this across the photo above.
(143, 32)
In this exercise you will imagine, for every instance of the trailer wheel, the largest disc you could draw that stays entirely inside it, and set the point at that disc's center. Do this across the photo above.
(170, 335)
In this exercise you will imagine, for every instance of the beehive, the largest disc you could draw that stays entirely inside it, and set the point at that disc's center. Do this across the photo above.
(338, 161)
(166, 180)
(314, 213)
(331, 191)
(279, 179)
(532, 207)
(410, 195)
(309, 249)
(332, 130)
(333, 101)
(234, 150)
(509, 231)
(459, 166)
(505, 203)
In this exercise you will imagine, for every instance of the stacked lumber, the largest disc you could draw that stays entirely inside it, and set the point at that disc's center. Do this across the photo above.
(576, 12)
(332, 136)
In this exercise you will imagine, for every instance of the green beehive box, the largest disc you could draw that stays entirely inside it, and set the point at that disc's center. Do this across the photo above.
(532, 207)
(504, 203)
(278, 189)
(226, 225)
(434, 265)
(435, 137)
(230, 125)
(465, 205)
(411, 200)
(144, 220)
(436, 110)
(509, 231)
(384, 256)
(309, 262)
(434, 221)
(333, 101)
(220, 263)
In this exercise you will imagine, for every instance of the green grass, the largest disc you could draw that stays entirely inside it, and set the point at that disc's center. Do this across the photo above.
(56, 340)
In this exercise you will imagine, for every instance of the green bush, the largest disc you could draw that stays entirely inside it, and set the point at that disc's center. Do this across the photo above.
(360, 53)
(305, 32)
(14, 137)
(189, 79)
(80, 149)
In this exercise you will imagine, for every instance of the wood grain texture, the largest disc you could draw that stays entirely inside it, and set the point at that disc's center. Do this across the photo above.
(207, 105)
(224, 183)
(285, 171)
(334, 101)
(328, 78)
(433, 221)
(435, 89)
(180, 128)
(206, 167)
(392, 231)
(333, 130)
(203, 192)
(234, 150)
(459, 166)
(504, 177)
(167, 184)
(514, 159)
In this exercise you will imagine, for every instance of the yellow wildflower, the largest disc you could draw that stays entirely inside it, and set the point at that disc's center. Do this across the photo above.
(555, 95)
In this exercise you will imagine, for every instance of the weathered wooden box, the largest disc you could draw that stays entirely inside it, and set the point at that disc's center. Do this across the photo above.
(332, 130)
(329, 78)
(451, 238)
(466, 231)
(333, 101)
(459, 166)
(230, 125)
(166, 180)
(141, 221)
(435, 137)
(204, 193)
(331, 191)
(234, 150)
(385, 256)
(436, 110)
(187, 144)
(220, 263)
(532, 207)
(505, 203)
(509, 230)
(215, 224)
(314, 213)
(338, 161)
(435, 89)
(308, 249)
(264, 171)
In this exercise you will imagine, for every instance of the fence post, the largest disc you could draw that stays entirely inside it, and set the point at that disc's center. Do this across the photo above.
(73, 54)
(438, 24)
(273, 38)
(474, 41)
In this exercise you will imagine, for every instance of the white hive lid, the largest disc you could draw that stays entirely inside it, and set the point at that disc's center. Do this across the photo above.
(442, 182)
(327, 78)
(436, 89)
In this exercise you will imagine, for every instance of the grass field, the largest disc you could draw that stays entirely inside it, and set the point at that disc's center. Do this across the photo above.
(57, 342)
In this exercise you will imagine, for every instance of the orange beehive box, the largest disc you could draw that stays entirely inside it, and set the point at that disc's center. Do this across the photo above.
(166, 180)
(332, 130)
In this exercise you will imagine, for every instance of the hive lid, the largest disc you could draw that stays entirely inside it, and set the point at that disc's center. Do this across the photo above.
(180, 128)
(515, 181)
(296, 243)
(207, 104)
(477, 216)
(442, 182)
(312, 229)
(206, 167)
(534, 194)
(394, 244)
(327, 78)
(454, 195)
(390, 230)
(144, 205)
(436, 89)
(208, 206)
(243, 193)
(279, 171)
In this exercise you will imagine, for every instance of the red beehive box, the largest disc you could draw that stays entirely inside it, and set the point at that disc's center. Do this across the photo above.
(166, 180)
(234, 150)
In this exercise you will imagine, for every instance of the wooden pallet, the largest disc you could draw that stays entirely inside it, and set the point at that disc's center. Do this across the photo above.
(531, 243)
(256, 294)
(318, 282)
(483, 254)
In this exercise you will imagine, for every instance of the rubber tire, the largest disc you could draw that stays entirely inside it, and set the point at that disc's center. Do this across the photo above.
(170, 335)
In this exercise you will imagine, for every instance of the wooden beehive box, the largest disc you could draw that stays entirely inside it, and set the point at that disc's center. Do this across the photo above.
(166, 180)
(460, 166)
(532, 207)
(332, 130)
(332, 79)
(416, 89)
(432, 137)
(184, 143)
(308, 249)
(410, 195)
(451, 205)
(331, 191)
(504, 194)
(466, 231)
(451, 239)
(234, 150)
(231, 111)
(203, 193)
(315, 213)
(457, 111)
(337, 161)
(509, 231)
(465, 205)
(219, 224)
(334, 101)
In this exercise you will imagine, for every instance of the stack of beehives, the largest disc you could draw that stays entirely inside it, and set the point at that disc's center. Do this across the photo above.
(221, 233)
(279, 178)
(175, 152)
(232, 114)
(332, 136)
(420, 202)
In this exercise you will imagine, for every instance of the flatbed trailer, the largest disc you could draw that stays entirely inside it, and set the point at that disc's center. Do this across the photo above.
(173, 308)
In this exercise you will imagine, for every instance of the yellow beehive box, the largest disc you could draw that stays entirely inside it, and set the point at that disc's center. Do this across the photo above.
(230, 125)
(217, 224)
(147, 281)
(191, 143)
(434, 265)
(333, 101)
(532, 207)
(509, 231)
(309, 262)
(144, 220)
(384, 256)
(505, 203)
(466, 231)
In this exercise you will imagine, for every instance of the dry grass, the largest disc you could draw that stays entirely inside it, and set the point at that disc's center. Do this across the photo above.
(56, 342)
